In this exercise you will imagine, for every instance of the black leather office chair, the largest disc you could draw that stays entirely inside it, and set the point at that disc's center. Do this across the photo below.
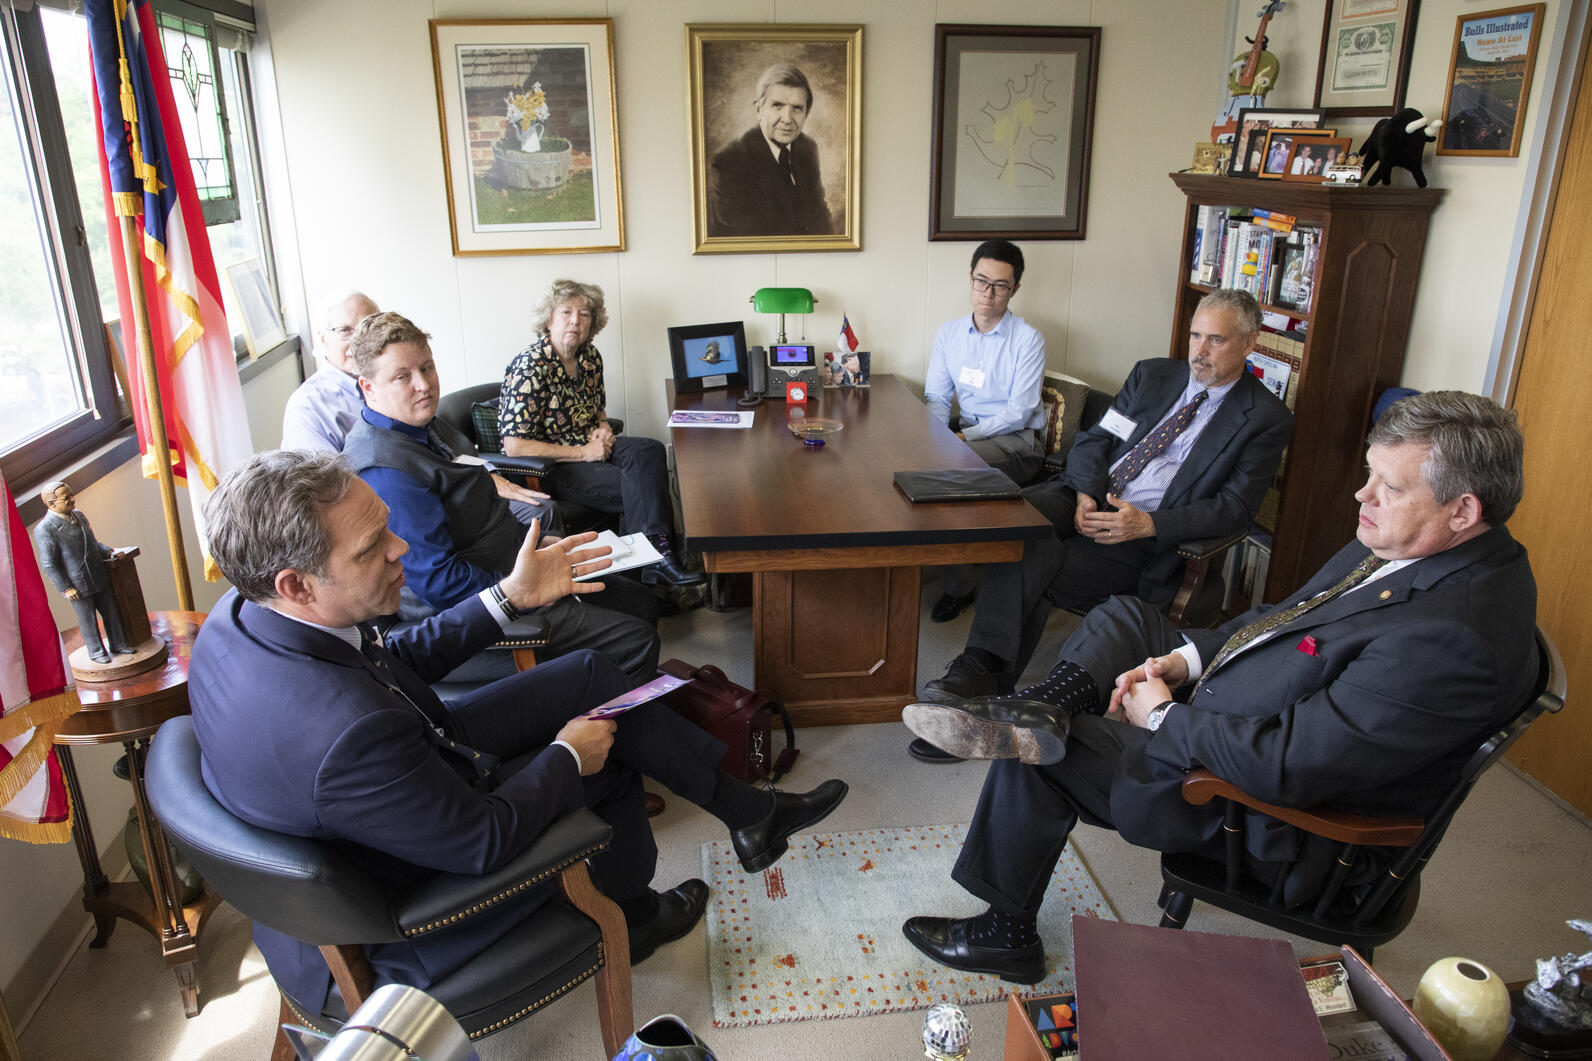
(1364, 918)
(309, 891)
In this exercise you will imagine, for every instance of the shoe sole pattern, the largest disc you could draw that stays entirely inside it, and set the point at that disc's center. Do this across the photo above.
(956, 731)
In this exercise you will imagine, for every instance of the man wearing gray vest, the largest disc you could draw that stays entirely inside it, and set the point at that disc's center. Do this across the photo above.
(463, 537)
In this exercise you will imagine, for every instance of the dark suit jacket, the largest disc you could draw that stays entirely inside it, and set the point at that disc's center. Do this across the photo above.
(1217, 490)
(1407, 676)
(299, 734)
(748, 196)
(64, 558)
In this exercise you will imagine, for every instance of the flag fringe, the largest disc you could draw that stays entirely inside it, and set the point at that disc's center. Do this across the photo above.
(42, 711)
(16, 774)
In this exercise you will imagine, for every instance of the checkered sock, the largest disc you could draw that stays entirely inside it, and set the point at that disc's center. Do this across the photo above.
(1068, 687)
(993, 928)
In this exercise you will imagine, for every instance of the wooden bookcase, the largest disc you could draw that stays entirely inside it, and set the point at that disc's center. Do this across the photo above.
(1357, 327)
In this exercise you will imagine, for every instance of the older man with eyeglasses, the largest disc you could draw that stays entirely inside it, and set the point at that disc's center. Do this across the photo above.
(319, 415)
(992, 364)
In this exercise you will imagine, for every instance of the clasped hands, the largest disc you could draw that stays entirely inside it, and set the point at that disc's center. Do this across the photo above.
(1111, 528)
(1147, 686)
(601, 444)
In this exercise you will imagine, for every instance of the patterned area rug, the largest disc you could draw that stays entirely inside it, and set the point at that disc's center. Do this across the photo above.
(818, 934)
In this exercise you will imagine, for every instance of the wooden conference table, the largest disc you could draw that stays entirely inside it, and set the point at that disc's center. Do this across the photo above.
(833, 547)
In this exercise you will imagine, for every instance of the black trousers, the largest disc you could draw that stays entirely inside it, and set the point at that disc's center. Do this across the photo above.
(518, 717)
(1065, 570)
(633, 482)
(103, 602)
(1025, 813)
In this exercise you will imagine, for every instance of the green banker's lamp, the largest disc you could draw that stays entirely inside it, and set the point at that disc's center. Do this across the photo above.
(783, 300)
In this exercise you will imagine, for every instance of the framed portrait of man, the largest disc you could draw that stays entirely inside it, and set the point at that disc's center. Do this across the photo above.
(776, 123)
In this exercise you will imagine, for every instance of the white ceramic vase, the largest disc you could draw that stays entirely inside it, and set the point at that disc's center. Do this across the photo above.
(1465, 1006)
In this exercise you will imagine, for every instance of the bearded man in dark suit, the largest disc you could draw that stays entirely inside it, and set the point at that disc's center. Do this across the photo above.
(1366, 691)
(767, 182)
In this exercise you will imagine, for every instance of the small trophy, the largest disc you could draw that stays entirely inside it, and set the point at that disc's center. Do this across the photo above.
(1553, 1014)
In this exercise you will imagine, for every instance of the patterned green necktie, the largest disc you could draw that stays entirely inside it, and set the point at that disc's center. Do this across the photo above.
(1267, 623)
(1154, 444)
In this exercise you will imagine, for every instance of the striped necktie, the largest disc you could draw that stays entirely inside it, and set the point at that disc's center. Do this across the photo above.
(1154, 444)
(1267, 623)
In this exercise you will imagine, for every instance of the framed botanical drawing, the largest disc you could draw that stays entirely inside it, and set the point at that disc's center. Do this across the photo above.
(530, 135)
(1365, 56)
(1013, 125)
(776, 120)
(251, 295)
(1489, 81)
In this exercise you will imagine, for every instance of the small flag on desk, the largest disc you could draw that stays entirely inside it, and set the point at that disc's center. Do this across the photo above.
(847, 343)
(36, 693)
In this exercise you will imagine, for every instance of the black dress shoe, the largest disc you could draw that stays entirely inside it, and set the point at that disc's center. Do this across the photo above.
(1026, 730)
(678, 912)
(671, 570)
(964, 679)
(759, 846)
(949, 607)
(945, 940)
(924, 752)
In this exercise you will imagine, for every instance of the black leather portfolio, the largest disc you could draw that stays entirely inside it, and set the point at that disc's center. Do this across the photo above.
(957, 484)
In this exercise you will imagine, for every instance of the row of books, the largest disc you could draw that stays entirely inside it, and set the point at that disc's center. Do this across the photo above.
(1275, 361)
(1263, 252)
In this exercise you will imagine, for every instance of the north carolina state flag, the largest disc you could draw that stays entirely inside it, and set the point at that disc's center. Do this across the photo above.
(37, 693)
(847, 343)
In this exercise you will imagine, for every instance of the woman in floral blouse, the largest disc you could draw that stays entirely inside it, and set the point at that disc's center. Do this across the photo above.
(554, 405)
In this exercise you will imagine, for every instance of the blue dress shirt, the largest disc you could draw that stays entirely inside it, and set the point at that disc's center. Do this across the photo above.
(1012, 358)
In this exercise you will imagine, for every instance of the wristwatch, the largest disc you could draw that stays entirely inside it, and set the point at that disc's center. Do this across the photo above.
(1157, 715)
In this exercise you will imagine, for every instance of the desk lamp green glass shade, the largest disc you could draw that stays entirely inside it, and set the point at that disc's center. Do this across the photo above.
(783, 300)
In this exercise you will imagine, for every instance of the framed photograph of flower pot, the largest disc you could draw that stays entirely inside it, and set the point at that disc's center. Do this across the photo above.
(1013, 127)
(530, 135)
(1489, 81)
(776, 124)
(1365, 56)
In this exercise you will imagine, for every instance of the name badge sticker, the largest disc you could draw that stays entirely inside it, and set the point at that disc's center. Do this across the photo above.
(973, 377)
(1117, 424)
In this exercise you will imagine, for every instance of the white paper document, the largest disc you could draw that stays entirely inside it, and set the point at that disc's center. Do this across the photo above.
(630, 550)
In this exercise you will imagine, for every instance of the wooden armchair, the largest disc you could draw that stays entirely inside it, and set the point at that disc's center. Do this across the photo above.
(1363, 918)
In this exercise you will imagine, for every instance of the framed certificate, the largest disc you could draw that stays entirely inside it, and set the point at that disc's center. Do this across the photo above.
(1365, 56)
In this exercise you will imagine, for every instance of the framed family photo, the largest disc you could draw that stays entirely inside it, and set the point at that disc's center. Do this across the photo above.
(1013, 127)
(1278, 151)
(776, 128)
(1309, 157)
(530, 135)
(1489, 81)
(1366, 46)
(1249, 144)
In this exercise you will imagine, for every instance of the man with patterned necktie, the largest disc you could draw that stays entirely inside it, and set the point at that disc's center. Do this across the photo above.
(1366, 690)
(1186, 452)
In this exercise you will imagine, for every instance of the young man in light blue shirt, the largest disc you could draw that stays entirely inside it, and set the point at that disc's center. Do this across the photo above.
(992, 363)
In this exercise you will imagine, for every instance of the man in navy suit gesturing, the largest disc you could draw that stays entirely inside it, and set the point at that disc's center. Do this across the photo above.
(308, 724)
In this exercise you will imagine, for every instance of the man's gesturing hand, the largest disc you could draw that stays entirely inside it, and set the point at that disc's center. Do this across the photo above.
(543, 574)
(591, 738)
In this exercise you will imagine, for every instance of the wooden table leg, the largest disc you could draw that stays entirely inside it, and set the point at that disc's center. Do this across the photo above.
(94, 880)
(837, 646)
(177, 944)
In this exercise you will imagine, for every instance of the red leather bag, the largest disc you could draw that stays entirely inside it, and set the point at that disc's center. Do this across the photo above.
(740, 717)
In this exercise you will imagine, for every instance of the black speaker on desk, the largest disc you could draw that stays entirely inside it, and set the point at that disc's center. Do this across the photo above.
(756, 376)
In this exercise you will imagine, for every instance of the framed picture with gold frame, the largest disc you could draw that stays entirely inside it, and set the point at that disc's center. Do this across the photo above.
(530, 135)
(776, 124)
(1489, 81)
(1310, 156)
(1278, 150)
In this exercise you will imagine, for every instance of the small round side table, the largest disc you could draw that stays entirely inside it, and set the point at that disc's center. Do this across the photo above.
(130, 710)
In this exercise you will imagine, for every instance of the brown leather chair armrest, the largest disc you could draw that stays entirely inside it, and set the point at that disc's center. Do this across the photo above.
(1200, 786)
(1209, 548)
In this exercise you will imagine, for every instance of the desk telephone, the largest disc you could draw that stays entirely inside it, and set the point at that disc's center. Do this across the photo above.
(771, 369)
